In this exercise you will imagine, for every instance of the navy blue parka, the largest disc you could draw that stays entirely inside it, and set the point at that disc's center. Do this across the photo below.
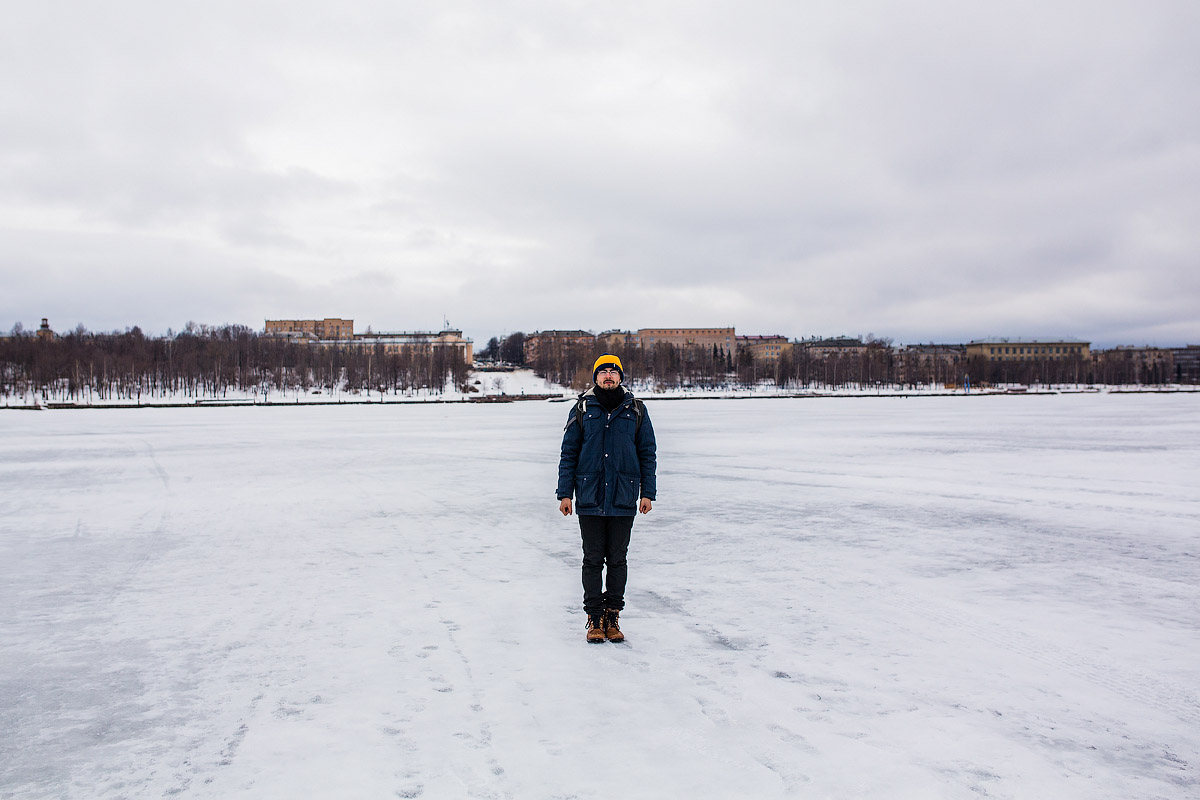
(609, 462)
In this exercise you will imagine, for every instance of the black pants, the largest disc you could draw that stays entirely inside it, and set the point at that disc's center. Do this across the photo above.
(605, 540)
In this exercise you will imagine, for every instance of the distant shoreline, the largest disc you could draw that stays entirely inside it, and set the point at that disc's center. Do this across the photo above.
(494, 399)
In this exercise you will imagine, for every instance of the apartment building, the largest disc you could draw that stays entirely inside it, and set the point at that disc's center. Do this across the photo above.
(1005, 349)
(333, 331)
(541, 343)
(1130, 364)
(395, 342)
(764, 348)
(1187, 363)
(939, 363)
(616, 339)
(324, 329)
(835, 346)
(724, 339)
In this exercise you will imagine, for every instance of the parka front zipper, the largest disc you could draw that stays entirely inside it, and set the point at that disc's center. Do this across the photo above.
(608, 422)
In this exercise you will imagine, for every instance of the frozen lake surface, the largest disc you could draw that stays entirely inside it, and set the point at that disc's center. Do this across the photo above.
(840, 598)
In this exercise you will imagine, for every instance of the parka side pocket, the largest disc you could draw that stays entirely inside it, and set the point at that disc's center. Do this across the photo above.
(587, 489)
(626, 495)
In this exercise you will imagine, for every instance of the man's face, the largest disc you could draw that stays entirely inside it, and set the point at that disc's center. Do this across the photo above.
(608, 378)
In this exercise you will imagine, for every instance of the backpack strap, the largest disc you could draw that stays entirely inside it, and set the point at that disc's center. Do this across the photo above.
(580, 410)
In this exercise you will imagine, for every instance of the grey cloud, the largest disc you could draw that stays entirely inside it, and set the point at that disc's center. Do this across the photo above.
(923, 171)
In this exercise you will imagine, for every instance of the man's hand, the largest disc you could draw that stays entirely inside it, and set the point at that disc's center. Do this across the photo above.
(645, 505)
(564, 506)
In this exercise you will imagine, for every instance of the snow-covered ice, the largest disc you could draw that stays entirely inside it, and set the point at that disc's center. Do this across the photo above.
(833, 598)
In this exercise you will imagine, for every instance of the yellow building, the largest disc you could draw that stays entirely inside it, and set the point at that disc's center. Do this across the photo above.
(1004, 349)
(332, 331)
(936, 363)
(836, 346)
(616, 340)
(399, 341)
(329, 328)
(764, 348)
(722, 338)
(545, 343)
(1131, 364)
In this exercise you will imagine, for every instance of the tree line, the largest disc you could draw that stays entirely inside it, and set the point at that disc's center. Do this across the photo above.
(205, 361)
(671, 366)
(876, 364)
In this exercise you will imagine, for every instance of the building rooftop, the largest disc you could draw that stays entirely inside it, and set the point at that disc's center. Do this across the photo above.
(836, 341)
(374, 334)
(1029, 340)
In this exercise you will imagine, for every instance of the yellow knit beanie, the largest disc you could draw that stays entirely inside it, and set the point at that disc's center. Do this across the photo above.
(607, 358)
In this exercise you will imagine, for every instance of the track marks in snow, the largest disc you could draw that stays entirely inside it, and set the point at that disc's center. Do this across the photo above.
(150, 542)
(158, 470)
(442, 667)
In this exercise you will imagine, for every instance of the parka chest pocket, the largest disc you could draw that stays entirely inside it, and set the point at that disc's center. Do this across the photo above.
(625, 422)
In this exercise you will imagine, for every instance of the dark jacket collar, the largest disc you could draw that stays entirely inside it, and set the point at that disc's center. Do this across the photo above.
(590, 396)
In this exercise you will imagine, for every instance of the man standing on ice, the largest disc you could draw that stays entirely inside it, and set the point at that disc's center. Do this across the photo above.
(608, 461)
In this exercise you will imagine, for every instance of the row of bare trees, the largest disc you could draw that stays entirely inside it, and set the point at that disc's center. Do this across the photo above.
(210, 362)
(1071, 370)
(710, 367)
(1122, 367)
(671, 366)
(877, 364)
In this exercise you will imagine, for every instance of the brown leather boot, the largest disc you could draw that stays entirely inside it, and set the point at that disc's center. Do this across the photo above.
(612, 628)
(595, 628)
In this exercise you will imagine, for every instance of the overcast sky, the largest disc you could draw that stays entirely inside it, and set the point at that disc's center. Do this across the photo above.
(928, 170)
